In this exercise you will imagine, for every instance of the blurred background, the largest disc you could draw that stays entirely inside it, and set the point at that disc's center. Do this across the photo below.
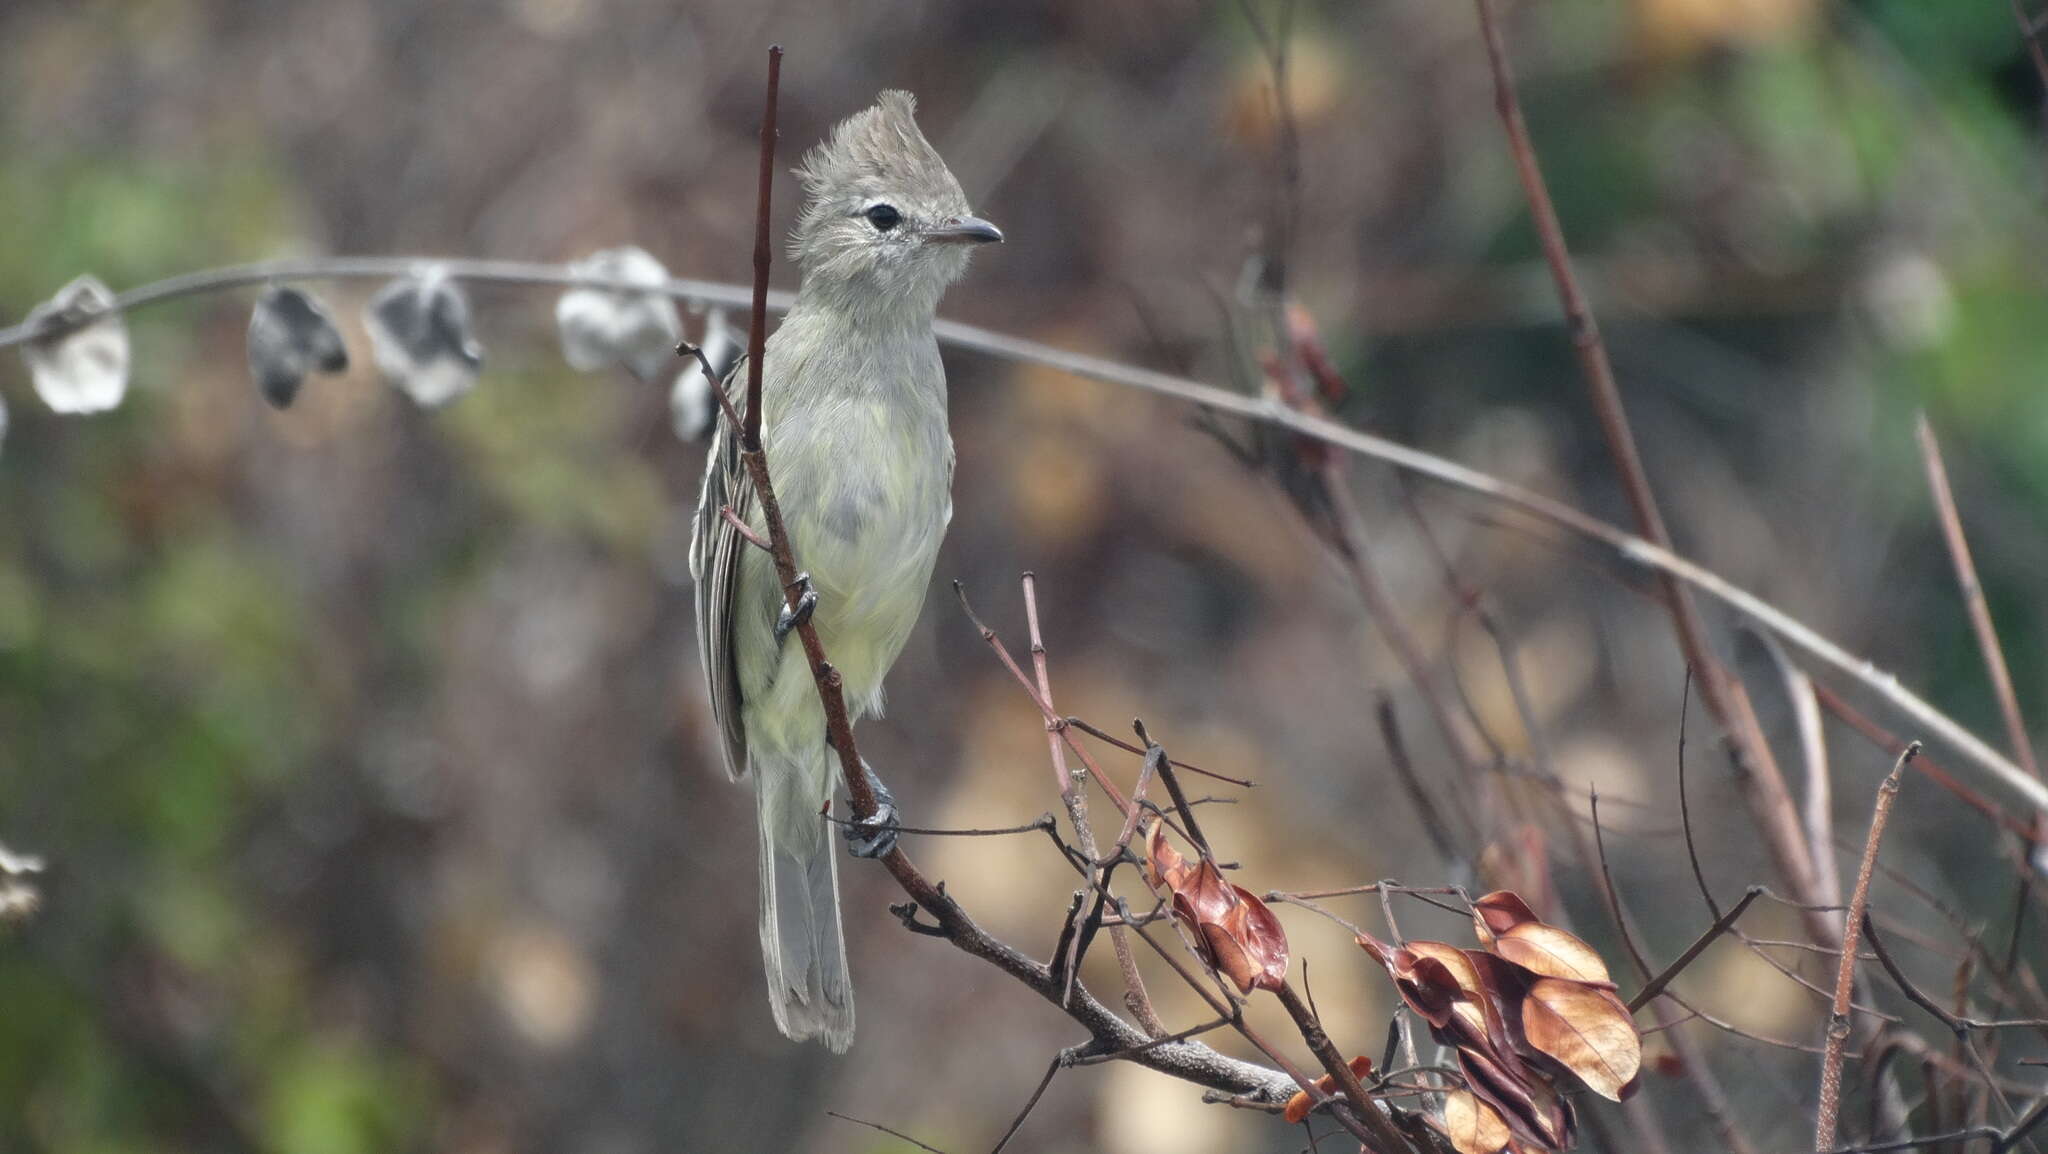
(367, 745)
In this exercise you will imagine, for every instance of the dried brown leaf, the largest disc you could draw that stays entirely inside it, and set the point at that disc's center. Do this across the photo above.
(1474, 1126)
(1531, 1107)
(1256, 957)
(1509, 928)
(1587, 1031)
(1164, 864)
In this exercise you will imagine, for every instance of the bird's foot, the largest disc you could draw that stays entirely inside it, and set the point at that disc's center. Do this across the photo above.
(795, 615)
(876, 836)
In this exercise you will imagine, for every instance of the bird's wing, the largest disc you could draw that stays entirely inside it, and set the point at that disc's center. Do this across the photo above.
(715, 562)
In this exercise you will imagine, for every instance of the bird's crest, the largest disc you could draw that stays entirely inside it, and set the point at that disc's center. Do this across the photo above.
(875, 152)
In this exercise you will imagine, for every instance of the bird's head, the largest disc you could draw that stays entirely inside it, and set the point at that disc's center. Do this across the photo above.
(884, 223)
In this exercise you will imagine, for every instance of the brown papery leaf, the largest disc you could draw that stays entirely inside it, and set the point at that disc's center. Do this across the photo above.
(1534, 1111)
(1163, 863)
(1208, 896)
(1509, 928)
(1588, 1031)
(1474, 1126)
(1261, 944)
(1473, 1009)
(1499, 912)
(1428, 986)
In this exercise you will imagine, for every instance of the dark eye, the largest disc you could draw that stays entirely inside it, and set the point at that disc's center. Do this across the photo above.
(884, 217)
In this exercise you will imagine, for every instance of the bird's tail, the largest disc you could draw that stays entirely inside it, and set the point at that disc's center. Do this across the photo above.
(801, 942)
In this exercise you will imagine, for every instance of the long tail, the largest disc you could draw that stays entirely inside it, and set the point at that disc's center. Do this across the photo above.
(801, 942)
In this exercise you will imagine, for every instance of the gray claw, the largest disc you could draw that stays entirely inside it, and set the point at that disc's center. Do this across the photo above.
(806, 604)
(875, 837)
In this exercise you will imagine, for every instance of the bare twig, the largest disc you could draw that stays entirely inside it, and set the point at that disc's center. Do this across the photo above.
(1972, 589)
(1404, 771)
(1655, 986)
(1059, 1060)
(1927, 766)
(1127, 747)
(1076, 801)
(1762, 783)
(1845, 973)
(745, 530)
(883, 1129)
(1816, 808)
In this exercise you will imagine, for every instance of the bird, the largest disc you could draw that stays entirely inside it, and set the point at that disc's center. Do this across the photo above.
(853, 426)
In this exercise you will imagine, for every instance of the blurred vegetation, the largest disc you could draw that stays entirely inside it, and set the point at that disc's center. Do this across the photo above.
(365, 744)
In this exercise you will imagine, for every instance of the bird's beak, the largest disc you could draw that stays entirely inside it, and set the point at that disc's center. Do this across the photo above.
(965, 230)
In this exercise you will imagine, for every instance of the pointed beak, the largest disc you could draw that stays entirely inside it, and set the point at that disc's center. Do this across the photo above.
(965, 230)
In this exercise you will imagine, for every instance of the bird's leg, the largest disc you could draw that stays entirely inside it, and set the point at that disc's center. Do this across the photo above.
(793, 616)
(876, 836)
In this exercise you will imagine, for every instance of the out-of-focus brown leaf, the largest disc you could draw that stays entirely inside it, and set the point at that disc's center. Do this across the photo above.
(1509, 928)
(1474, 1126)
(1299, 1105)
(1587, 1031)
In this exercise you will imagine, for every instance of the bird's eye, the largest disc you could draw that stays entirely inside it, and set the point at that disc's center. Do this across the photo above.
(884, 217)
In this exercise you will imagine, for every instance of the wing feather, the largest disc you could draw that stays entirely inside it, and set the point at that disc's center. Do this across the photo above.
(715, 563)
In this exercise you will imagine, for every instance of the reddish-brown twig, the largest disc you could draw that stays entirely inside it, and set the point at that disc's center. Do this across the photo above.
(1973, 591)
(1076, 801)
(1762, 783)
(1829, 1113)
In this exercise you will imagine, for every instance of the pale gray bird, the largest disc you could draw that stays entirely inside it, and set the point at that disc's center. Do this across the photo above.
(854, 423)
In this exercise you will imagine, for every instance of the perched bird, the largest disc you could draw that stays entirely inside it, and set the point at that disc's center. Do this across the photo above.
(853, 422)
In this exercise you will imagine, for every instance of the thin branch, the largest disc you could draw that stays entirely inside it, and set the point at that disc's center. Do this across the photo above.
(1957, 1023)
(1076, 801)
(1060, 1059)
(1655, 986)
(763, 254)
(883, 1129)
(1973, 589)
(1692, 851)
(1763, 785)
(1127, 747)
(1845, 973)
(1411, 782)
(745, 531)
(1927, 766)
(1816, 808)
(1018, 350)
